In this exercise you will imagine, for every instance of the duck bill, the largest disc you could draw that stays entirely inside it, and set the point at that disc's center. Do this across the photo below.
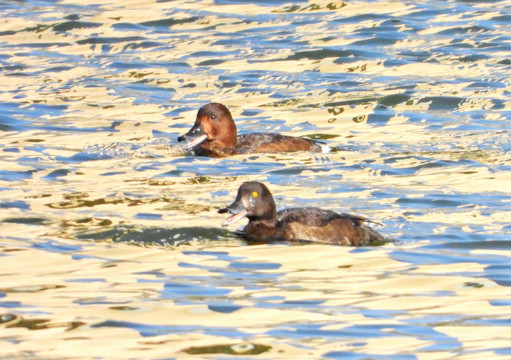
(196, 142)
(194, 137)
(237, 210)
(233, 218)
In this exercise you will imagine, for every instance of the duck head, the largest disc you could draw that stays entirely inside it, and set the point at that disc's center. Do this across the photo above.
(214, 128)
(253, 201)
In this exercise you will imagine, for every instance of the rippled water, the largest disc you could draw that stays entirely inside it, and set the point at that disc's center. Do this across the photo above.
(111, 243)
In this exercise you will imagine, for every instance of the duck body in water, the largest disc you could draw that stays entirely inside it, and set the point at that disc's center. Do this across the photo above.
(255, 201)
(214, 134)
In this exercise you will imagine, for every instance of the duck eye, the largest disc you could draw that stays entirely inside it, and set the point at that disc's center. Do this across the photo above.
(255, 194)
(213, 116)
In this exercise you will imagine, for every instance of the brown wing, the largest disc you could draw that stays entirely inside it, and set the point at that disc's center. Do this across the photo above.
(325, 226)
(270, 143)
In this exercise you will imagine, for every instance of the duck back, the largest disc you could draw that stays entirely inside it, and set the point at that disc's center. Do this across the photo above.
(272, 143)
(325, 226)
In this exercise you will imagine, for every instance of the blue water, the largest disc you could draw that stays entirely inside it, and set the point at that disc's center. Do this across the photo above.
(96, 91)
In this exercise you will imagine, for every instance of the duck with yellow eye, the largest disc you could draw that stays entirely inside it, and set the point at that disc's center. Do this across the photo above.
(265, 224)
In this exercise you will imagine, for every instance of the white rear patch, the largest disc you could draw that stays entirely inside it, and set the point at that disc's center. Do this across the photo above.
(325, 149)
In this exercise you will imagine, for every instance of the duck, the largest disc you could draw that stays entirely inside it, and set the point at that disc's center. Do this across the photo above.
(214, 134)
(308, 224)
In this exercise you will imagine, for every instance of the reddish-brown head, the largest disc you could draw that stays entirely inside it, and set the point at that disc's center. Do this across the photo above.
(214, 129)
(218, 125)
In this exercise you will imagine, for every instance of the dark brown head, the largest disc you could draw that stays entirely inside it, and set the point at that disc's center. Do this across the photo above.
(213, 128)
(254, 201)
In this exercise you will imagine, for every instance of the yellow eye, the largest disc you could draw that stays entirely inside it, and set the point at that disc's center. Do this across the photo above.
(255, 194)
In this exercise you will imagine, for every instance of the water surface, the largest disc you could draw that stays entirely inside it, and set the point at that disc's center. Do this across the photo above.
(111, 240)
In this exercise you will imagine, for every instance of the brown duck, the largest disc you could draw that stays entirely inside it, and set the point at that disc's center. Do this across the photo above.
(255, 201)
(214, 134)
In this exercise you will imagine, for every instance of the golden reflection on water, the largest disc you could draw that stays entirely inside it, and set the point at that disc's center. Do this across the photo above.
(100, 193)
(121, 283)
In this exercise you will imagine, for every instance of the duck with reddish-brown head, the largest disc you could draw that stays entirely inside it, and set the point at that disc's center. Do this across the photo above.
(214, 134)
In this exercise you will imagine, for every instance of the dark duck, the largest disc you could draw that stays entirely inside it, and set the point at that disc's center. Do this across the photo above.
(214, 134)
(308, 224)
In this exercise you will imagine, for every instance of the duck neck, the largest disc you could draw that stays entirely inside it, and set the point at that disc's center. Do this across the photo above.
(214, 149)
(269, 216)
